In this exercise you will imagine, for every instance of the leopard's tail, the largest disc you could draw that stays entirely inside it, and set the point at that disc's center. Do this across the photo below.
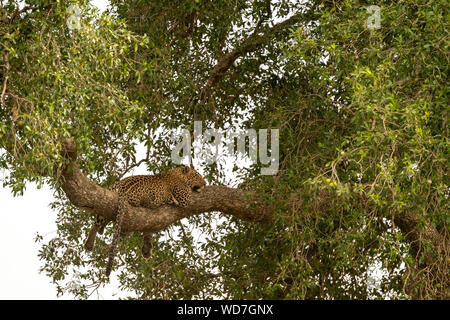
(117, 234)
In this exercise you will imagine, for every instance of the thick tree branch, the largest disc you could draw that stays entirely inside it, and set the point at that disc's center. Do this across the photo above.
(434, 246)
(85, 194)
(249, 45)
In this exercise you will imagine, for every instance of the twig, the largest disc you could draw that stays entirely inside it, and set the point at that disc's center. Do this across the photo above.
(146, 159)
(96, 285)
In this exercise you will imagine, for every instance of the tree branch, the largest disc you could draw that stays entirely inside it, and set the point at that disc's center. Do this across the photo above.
(86, 194)
(250, 45)
(17, 13)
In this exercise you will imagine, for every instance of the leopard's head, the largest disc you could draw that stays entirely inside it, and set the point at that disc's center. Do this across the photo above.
(191, 177)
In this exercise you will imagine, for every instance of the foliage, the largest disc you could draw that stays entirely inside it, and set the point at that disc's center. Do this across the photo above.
(363, 126)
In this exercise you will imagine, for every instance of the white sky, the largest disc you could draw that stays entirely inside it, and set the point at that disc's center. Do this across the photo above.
(21, 218)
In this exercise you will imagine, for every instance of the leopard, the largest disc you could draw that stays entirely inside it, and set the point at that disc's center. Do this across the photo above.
(172, 187)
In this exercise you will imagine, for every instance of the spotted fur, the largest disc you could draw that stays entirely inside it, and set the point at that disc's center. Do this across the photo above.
(171, 187)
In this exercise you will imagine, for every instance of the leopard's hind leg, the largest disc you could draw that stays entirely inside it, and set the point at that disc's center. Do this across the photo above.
(98, 227)
(147, 245)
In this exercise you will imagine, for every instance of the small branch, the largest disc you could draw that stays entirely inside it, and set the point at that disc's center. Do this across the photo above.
(146, 159)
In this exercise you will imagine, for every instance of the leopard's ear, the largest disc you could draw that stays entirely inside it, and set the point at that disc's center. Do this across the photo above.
(185, 170)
